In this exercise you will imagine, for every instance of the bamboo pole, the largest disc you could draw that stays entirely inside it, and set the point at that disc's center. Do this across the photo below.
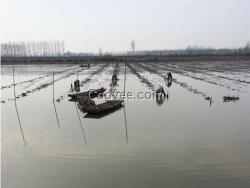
(80, 123)
(53, 86)
(125, 76)
(124, 108)
(77, 73)
(57, 119)
(18, 117)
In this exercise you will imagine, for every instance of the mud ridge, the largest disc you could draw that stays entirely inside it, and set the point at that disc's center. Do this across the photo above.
(182, 72)
(45, 85)
(182, 84)
(96, 72)
(33, 80)
(141, 78)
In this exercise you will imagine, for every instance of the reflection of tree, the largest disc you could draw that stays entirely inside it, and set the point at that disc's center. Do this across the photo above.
(18, 117)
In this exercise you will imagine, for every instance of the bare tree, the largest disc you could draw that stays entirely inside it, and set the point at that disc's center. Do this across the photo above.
(100, 51)
(28, 49)
(133, 47)
(247, 47)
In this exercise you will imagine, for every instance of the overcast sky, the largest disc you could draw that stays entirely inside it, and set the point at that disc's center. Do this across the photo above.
(86, 26)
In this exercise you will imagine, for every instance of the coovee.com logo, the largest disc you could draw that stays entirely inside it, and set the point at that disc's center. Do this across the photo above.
(117, 95)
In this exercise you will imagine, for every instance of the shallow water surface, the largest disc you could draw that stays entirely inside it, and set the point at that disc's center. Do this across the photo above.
(184, 141)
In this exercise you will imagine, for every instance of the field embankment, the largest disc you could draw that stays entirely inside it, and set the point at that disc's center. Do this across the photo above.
(97, 59)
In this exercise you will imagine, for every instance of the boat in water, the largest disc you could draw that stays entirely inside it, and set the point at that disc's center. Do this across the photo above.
(84, 65)
(105, 107)
(91, 93)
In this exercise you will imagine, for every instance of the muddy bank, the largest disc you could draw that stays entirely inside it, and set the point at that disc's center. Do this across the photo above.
(139, 58)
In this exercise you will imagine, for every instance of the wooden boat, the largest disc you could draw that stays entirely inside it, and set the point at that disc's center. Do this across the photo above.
(90, 93)
(101, 115)
(103, 107)
(82, 65)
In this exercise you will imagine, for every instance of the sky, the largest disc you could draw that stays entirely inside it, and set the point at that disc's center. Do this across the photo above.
(86, 26)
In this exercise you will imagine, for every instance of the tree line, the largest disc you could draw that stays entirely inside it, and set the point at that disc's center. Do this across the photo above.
(197, 51)
(34, 48)
(57, 48)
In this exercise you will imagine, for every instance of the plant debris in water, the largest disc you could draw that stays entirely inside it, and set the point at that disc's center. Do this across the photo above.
(208, 98)
(24, 94)
(58, 100)
(230, 98)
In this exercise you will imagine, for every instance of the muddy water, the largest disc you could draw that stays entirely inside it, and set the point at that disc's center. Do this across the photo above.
(186, 141)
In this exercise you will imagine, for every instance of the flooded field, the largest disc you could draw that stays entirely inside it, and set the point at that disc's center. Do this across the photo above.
(193, 138)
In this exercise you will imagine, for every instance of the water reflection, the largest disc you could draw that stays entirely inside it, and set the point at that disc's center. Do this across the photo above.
(161, 98)
(54, 105)
(125, 122)
(103, 114)
(124, 109)
(114, 79)
(18, 117)
(113, 85)
(57, 119)
(174, 149)
(80, 123)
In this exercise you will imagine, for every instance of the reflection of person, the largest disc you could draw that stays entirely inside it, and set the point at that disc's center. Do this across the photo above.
(114, 82)
(160, 90)
(114, 77)
(77, 89)
(160, 99)
(210, 101)
(160, 95)
(76, 86)
(77, 83)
